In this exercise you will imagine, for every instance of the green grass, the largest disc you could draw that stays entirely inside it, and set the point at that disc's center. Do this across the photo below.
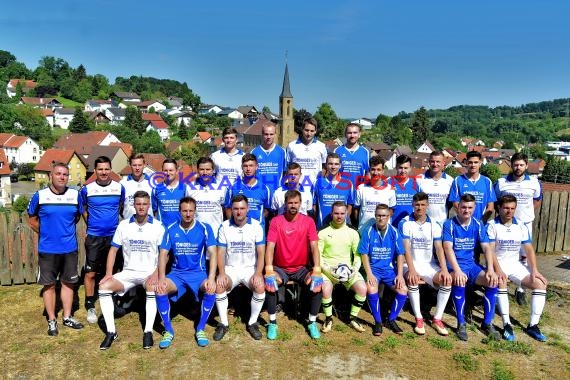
(556, 341)
(284, 336)
(478, 351)
(441, 343)
(68, 103)
(389, 344)
(358, 341)
(465, 361)
(340, 327)
(46, 348)
(500, 371)
(512, 347)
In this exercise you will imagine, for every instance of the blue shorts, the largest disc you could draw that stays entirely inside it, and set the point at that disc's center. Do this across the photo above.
(472, 272)
(184, 281)
(386, 276)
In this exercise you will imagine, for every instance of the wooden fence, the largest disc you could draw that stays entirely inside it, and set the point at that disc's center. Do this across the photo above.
(18, 247)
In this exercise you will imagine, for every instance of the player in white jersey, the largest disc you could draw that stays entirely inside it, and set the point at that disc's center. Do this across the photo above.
(308, 152)
(436, 184)
(227, 161)
(140, 238)
(134, 182)
(371, 194)
(208, 193)
(528, 192)
(421, 236)
(292, 180)
(507, 235)
(241, 252)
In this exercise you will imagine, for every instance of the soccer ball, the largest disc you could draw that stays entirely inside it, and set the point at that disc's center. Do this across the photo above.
(343, 272)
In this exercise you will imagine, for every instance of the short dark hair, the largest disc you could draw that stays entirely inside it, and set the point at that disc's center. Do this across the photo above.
(312, 121)
(402, 159)
(376, 160)
(239, 198)
(289, 194)
(518, 157)
(351, 125)
(229, 131)
(436, 153)
(420, 196)
(186, 200)
(467, 198)
(382, 206)
(474, 153)
(332, 155)
(507, 198)
(102, 160)
(248, 157)
(141, 194)
(136, 156)
(338, 204)
(170, 161)
(293, 166)
(205, 160)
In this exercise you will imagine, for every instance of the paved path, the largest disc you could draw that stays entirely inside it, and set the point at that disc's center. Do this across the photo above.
(556, 268)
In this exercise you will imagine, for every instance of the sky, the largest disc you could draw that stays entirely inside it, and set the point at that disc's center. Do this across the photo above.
(364, 58)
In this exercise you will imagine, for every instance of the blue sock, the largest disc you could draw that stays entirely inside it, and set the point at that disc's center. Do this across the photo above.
(208, 301)
(397, 305)
(458, 295)
(489, 305)
(374, 304)
(163, 306)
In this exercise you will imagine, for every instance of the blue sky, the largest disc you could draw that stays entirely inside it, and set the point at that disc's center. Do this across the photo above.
(362, 57)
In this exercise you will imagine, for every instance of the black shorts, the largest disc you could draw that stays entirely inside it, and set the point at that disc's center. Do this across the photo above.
(96, 251)
(51, 266)
(299, 276)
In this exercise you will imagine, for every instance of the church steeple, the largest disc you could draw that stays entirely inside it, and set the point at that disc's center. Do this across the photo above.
(286, 131)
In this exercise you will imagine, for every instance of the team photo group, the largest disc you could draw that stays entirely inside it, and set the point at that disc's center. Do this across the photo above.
(297, 216)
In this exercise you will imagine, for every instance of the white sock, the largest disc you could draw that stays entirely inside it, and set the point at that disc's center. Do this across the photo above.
(256, 305)
(442, 297)
(108, 309)
(537, 301)
(222, 306)
(503, 303)
(150, 309)
(414, 296)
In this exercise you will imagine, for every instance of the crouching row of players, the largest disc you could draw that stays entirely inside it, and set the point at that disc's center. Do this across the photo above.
(294, 251)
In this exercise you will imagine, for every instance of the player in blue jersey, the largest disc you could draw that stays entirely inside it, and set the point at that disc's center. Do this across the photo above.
(292, 182)
(166, 195)
(251, 187)
(472, 182)
(139, 237)
(227, 160)
(241, 252)
(330, 188)
(354, 156)
(134, 182)
(380, 246)
(308, 152)
(54, 211)
(188, 241)
(507, 236)
(271, 159)
(460, 236)
(405, 187)
(102, 201)
(528, 192)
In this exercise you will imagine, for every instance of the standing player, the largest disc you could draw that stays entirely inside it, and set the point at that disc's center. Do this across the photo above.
(227, 161)
(421, 236)
(102, 200)
(166, 195)
(371, 194)
(354, 156)
(338, 245)
(528, 192)
(460, 236)
(287, 258)
(207, 193)
(381, 246)
(241, 251)
(404, 187)
(134, 182)
(436, 184)
(250, 186)
(54, 211)
(331, 188)
(507, 235)
(188, 240)
(140, 238)
(308, 152)
(271, 159)
(472, 182)
(292, 182)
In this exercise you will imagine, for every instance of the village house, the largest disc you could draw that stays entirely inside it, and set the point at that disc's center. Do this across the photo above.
(20, 149)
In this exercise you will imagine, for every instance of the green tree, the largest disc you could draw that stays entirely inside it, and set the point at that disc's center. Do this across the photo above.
(183, 130)
(299, 116)
(556, 170)
(420, 127)
(150, 142)
(82, 91)
(329, 126)
(79, 123)
(491, 171)
(100, 86)
(14, 70)
(21, 204)
(398, 132)
(134, 120)
(190, 153)
(80, 73)
(6, 58)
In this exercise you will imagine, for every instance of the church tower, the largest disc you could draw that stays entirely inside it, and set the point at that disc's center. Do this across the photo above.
(286, 131)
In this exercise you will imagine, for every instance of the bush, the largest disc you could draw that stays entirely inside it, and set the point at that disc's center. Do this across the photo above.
(21, 204)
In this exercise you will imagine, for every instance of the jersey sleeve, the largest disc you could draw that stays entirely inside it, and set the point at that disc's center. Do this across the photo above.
(118, 237)
(537, 191)
(454, 191)
(273, 233)
(123, 194)
(80, 207)
(437, 233)
(491, 231)
(312, 233)
(492, 197)
(447, 231)
(83, 196)
(222, 240)
(259, 235)
(404, 229)
(399, 243)
(166, 242)
(364, 244)
(33, 205)
(392, 199)
(154, 200)
(483, 237)
(210, 238)
(525, 234)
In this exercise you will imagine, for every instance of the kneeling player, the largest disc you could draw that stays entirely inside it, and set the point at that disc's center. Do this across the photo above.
(189, 241)
(380, 245)
(241, 251)
(140, 237)
(507, 235)
(421, 235)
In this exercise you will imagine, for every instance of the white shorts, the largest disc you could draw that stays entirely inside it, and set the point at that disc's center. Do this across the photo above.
(240, 275)
(514, 269)
(131, 278)
(427, 271)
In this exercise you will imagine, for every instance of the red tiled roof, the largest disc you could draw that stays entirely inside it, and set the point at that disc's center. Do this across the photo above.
(54, 155)
(37, 101)
(47, 112)
(10, 140)
(204, 135)
(5, 168)
(126, 147)
(151, 117)
(26, 83)
(82, 143)
(159, 124)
